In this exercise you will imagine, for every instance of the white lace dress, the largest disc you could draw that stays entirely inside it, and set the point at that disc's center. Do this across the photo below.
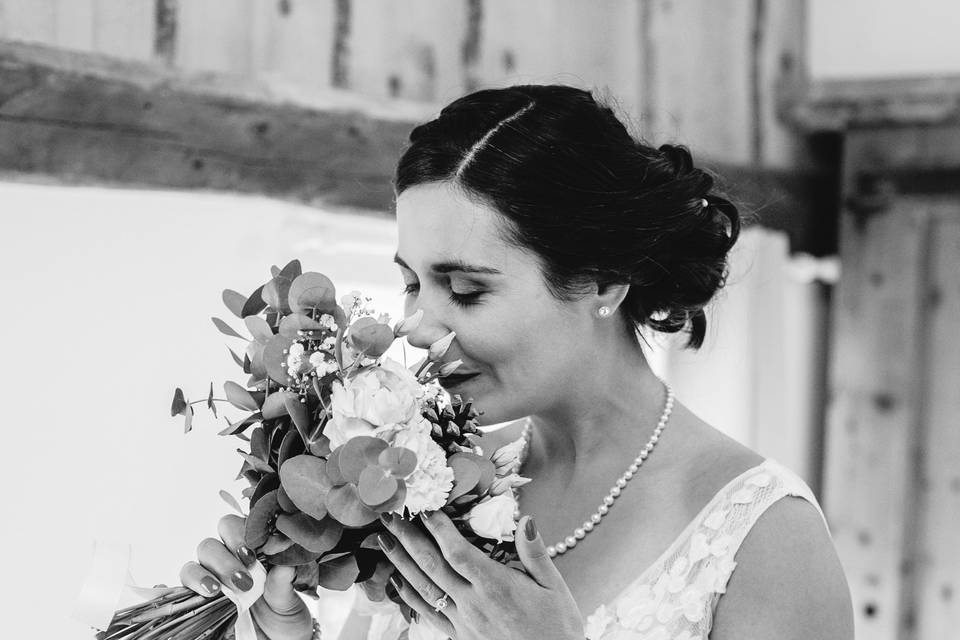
(674, 598)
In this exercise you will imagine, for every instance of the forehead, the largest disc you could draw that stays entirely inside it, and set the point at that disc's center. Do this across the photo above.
(437, 221)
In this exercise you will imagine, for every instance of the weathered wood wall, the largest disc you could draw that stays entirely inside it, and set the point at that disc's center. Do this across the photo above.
(892, 488)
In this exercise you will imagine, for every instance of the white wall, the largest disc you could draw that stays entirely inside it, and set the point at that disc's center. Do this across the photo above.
(862, 38)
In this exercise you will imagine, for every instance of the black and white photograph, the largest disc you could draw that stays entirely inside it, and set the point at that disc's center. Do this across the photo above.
(481, 319)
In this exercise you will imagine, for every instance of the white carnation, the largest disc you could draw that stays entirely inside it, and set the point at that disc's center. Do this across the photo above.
(429, 485)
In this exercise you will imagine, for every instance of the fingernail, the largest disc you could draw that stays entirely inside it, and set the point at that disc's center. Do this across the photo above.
(246, 556)
(530, 529)
(415, 615)
(396, 581)
(242, 580)
(210, 585)
(387, 543)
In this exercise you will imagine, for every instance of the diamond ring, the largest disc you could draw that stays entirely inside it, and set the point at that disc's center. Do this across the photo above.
(441, 603)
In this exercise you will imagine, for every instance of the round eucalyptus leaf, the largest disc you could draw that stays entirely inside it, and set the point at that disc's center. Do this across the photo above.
(310, 290)
(357, 454)
(305, 480)
(400, 461)
(260, 520)
(346, 507)
(318, 536)
(376, 485)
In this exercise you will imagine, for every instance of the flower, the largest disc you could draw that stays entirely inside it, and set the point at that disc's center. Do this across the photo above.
(408, 324)
(438, 348)
(507, 456)
(430, 483)
(493, 518)
(504, 484)
(385, 396)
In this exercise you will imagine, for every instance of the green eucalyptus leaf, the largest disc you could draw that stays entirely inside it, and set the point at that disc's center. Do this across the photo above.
(307, 578)
(376, 485)
(234, 301)
(260, 520)
(188, 419)
(276, 292)
(269, 482)
(230, 500)
(338, 574)
(371, 337)
(292, 556)
(275, 359)
(320, 446)
(226, 329)
(286, 504)
(236, 358)
(395, 503)
(305, 481)
(239, 397)
(301, 417)
(241, 425)
(254, 303)
(400, 461)
(256, 463)
(179, 404)
(357, 454)
(258, 328)
(311, 290)
(295, 322)
(488, 472)
(274, 406)
(290, 446)
(276, 542)
(258, 444)
(333, 467)
(345, 505)
(318, 536)
(466, 474)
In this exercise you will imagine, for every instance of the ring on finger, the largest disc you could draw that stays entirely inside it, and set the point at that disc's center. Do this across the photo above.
(441, 603)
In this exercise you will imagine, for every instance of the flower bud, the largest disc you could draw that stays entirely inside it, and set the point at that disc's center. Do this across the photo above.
(438, 348)
(507, 483)
(408, 324)
(449, 368)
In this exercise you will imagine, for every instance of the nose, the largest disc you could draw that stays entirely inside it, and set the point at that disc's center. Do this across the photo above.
(430, 329)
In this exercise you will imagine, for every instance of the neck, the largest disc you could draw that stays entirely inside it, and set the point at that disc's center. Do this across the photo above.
(609, 415)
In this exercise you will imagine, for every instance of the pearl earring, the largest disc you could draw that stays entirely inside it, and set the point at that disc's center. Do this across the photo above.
(603, 312)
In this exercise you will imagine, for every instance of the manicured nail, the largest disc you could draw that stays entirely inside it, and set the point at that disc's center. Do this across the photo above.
(242, 580)
(396, 581)
(246, 556)
(530, 529)
(387, 543)
(210, 585)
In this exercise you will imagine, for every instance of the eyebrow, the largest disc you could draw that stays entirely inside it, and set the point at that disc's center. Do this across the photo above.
(451, 265)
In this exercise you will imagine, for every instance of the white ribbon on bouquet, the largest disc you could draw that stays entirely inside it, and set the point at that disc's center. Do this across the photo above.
(109, 583)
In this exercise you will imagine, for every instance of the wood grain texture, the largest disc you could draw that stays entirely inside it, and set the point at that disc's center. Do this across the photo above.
(94, 119)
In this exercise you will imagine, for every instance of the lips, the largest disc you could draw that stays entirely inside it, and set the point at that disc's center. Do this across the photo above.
(455, 379)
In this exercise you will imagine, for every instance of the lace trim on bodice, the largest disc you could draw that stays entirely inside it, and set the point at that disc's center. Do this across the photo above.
(675, 597)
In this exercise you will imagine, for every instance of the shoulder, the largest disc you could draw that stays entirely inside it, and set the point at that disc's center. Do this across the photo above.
(786, 567)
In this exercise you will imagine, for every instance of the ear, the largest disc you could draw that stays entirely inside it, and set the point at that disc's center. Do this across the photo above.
(610, 295)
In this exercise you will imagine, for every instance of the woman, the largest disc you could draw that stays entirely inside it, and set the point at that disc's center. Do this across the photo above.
(535, 227)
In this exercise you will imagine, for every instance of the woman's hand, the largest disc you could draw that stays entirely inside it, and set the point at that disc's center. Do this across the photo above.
(486, 599)
(279, 614)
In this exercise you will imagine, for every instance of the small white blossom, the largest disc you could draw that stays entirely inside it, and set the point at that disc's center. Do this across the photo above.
(493, 518)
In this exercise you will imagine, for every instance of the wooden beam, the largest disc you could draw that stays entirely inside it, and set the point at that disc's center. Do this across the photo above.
(88, 118)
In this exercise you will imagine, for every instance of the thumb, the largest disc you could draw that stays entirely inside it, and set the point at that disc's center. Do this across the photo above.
(278, 591)
(534, 556)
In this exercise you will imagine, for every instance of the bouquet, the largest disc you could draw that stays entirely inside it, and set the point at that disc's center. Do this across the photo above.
(334, 435)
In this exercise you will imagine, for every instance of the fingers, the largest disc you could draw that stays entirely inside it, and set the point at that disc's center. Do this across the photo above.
(279, 592)
(193, 576)
(459, 553)
(231, 530)
(224, 565)
(418, 558)
(425, 612)
(533, 554)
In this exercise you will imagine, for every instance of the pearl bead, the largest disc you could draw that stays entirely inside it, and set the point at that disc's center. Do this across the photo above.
(570, 541)
(615, 492)
(588, 526)
(608, 500)
(622, 482)
(595, 518)
(516, 514)
(561, 547)
(654, 438)
(580, 532)
(551, 551)
(603, 510)
(632, 470)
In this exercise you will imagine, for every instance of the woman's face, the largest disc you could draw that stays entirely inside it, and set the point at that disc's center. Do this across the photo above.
(520, 345)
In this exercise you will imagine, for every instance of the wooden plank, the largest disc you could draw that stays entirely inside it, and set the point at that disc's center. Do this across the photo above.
(292, 42)
(29, 20)
(214, 35)
(94, 119)
(938, 555)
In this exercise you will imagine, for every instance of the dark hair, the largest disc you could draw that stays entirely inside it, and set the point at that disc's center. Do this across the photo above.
(592, 202)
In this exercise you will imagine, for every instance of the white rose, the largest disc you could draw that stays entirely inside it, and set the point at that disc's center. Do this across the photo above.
(429, 485)
(493, 518)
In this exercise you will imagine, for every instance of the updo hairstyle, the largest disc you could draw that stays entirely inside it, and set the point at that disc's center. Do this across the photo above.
(593, 203)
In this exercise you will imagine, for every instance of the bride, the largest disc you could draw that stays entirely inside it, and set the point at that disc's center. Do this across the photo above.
(538, 230)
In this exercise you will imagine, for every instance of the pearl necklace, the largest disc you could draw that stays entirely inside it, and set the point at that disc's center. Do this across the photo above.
(580, 532)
